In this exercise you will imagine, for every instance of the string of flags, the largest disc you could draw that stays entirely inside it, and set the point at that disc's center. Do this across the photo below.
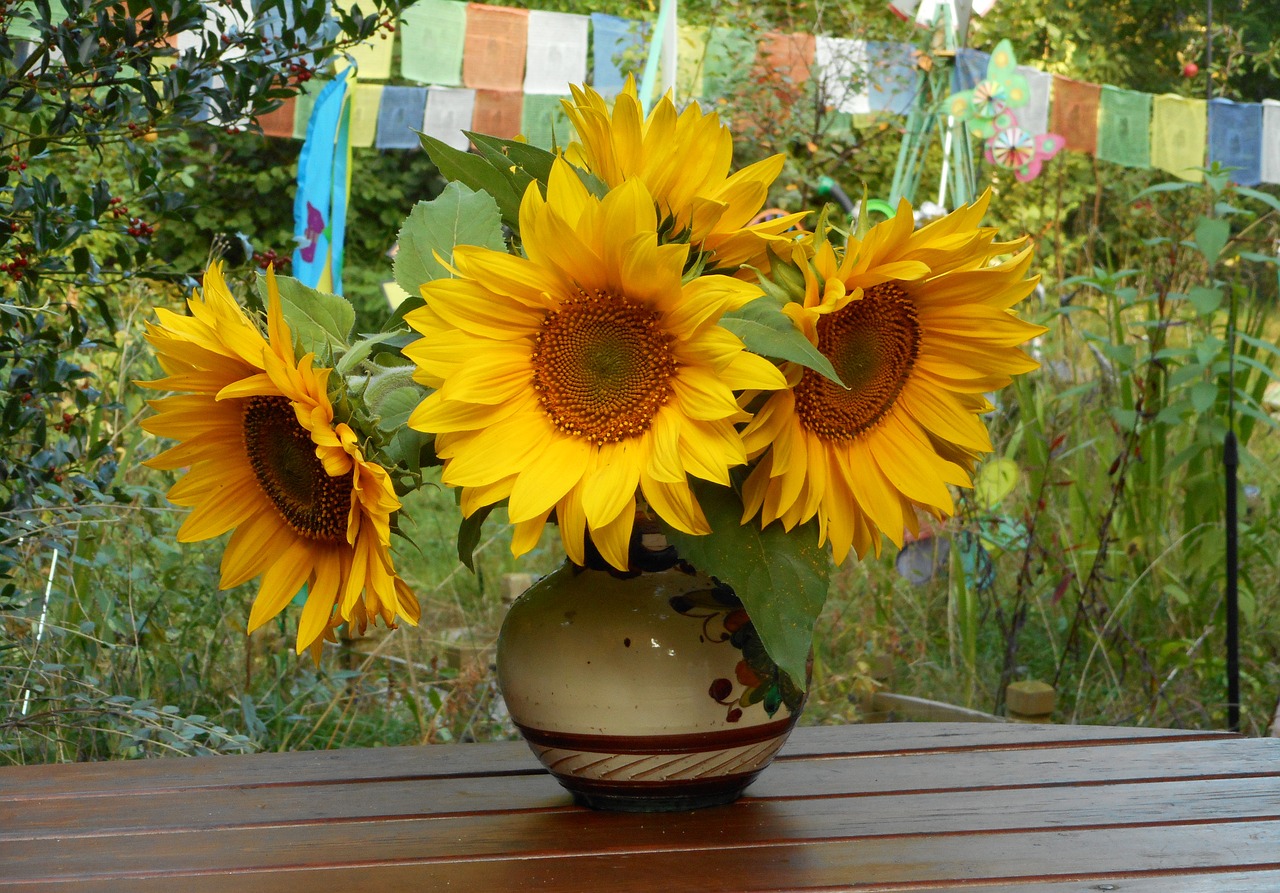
(503, 71)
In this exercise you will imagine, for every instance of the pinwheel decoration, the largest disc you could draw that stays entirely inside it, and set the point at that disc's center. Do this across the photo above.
(990, 111)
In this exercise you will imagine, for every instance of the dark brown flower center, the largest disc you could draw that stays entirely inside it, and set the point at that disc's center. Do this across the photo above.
(873, 344)
(283, 458)
(602, 367)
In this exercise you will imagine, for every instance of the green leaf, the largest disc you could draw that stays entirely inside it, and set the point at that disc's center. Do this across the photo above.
(457, 216)
(1203, 395)
(321, 322)
(1270, 200)
(1173, 186)
(478, 174)
(395, 407)
(781, 577)
(1205, 299)
(361, 350)
(766, 330)
(1212, 234)
(521, 163)
(469, 530)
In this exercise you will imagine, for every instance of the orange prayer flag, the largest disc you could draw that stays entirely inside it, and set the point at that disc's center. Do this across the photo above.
(494, 53)
(1074, 113)
(784, 59)
(279, 122)
(498, 113)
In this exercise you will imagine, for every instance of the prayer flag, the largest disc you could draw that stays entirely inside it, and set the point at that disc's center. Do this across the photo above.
(432, 34)
(785, 59)
(1124, 127)
(279, 122)
(494, 52)
(891, 76)
(449, 112)
(365, 101)
(841, 65)
(399, 116)
(971, 69)
(1074, 113)
(731, 54)
(1270, 141)
(320, 205)
(498, 113)
(617, 47)
(1235, 139)
(690, 58)
(373, 57)
(556, 55)
(1033, 118)
(543, 121)
(1177, 136)
(304, 102)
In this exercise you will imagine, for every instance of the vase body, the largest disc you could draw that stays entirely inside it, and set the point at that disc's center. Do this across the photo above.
(646, 691)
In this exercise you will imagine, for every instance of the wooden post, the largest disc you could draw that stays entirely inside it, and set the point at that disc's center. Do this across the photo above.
(1030, 701)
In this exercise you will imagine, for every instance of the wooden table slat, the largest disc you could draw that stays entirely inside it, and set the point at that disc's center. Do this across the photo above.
(927, 806)
(1004, 858)
(512, 757)
(571, 832)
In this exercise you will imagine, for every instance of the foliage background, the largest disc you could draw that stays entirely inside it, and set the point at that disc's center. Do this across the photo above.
(1109, 586)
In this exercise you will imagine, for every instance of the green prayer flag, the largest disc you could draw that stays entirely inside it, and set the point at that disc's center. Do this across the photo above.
(731, 53)
(305, 102)
(542, 117)
(1124, 127)
(432, 34)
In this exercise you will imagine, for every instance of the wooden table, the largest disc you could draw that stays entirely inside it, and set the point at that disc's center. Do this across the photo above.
(912, 806)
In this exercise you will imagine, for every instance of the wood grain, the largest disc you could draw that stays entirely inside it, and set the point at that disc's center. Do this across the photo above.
(914, 806)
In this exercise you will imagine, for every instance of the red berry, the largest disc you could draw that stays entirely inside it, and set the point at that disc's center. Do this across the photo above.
(1190, 70)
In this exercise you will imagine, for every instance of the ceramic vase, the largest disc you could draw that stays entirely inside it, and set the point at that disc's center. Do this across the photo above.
(645, 690)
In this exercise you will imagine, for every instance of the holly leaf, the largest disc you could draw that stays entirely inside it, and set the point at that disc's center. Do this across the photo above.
(457, 216)
(782, 578)
(767, 331)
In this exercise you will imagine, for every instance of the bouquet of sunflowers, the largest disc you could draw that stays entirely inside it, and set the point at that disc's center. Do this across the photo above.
(593, 333)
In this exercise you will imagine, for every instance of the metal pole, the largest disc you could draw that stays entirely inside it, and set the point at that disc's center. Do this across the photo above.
(1230, 461)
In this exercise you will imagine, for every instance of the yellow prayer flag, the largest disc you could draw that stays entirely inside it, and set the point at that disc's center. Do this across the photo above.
(372, 58)
(1178, 130)
(692, 53)
(365, 101)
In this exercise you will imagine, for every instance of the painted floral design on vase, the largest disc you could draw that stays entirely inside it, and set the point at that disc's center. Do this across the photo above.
(643, 691)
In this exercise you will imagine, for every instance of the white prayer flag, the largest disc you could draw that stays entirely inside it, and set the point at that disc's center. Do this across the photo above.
(841, 69)
(556, 54)
(448, 113)
(1033, 117)
(1270, 141)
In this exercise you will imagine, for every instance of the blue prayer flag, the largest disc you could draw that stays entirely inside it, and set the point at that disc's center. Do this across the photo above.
(891, 77)
(970, 70)
(611, 38)
(1235, 139)
(400, 117)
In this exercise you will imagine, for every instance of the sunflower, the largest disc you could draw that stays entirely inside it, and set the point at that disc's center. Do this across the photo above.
(570, 377)
(918, 325)
(683, 160)
(267, 459)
